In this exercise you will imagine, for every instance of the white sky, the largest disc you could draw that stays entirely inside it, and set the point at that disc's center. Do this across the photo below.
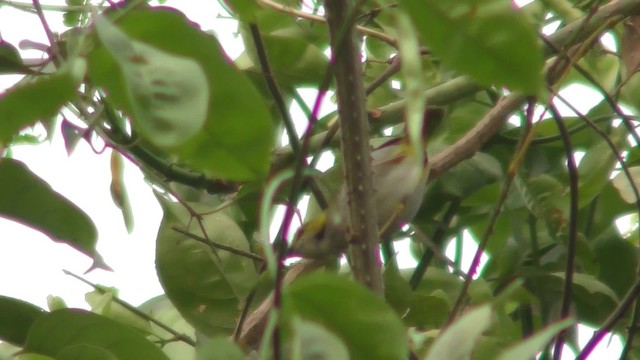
(31, 264)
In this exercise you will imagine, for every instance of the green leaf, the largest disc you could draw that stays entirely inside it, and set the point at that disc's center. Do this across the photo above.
(16, 317)
(246, 9)
(362, 320)
(206, 287)
(220, 348)
(10, 60)
(594, 171)
(102, 304)
(531, 346)
(313, 341)
(459, 339)
(23, 105)
(83, 352)
(621, 183)
(168, 93)
(54, 332)
(27, 199)
(590, 284)
(487, 39)
(236, 139)
(161, 309)
(471, 175)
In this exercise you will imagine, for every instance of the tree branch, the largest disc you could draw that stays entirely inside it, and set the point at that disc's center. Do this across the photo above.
(356, 151)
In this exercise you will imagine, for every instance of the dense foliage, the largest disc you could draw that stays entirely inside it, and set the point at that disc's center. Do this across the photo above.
(203, 129)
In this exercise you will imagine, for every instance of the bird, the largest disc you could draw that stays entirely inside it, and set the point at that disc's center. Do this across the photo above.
(399, 178)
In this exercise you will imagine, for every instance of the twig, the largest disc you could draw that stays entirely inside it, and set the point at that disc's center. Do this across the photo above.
(611, 321)
(572, 169)
(180, 337)
(274, 89)
(47, 29)
(216, 245)
(303, 15)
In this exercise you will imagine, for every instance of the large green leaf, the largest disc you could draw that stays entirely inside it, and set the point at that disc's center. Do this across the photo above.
(236, 139)
(16, 317)
(27, 199)
(56, 331)
(168, 93)
(487, 39)
(363, 321)
(24, 104)
(206, 287)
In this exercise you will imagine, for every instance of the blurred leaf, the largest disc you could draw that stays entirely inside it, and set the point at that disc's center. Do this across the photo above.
(102, 303)
(207, 288)
(10, 60)
(56, 303)
(429, 311)
(594, 171)
(246, 9)
(621, 183)
(531, 346)
(161, 309)
(168, 93)
(397, 291)
(313, 341)
(71, 134)
(16, 318)
(220, 348)
(236, 139)
(470, 36)
(471, 175)
(18, 108)
(54, 332)
(84, 351)
(29, 200)
(618, 261)
(458, 340)
(119, 190)
(361, 319)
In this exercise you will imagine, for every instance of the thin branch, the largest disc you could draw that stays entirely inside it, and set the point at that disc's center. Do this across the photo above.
(274, 89)
(47, 29)
(438, 238)
(215, 245)
(315, 18)
(178, 336)
(572, 169)
(611, 321)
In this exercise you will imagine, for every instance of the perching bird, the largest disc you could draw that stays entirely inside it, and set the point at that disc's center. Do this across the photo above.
(399, 180)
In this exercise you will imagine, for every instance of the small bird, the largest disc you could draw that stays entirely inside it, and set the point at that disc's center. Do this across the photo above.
(399, 180)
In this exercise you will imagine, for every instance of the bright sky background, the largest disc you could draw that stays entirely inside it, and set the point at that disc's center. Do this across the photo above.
(31, 264)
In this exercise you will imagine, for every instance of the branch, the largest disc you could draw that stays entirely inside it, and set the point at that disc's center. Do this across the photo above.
(356, 152)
